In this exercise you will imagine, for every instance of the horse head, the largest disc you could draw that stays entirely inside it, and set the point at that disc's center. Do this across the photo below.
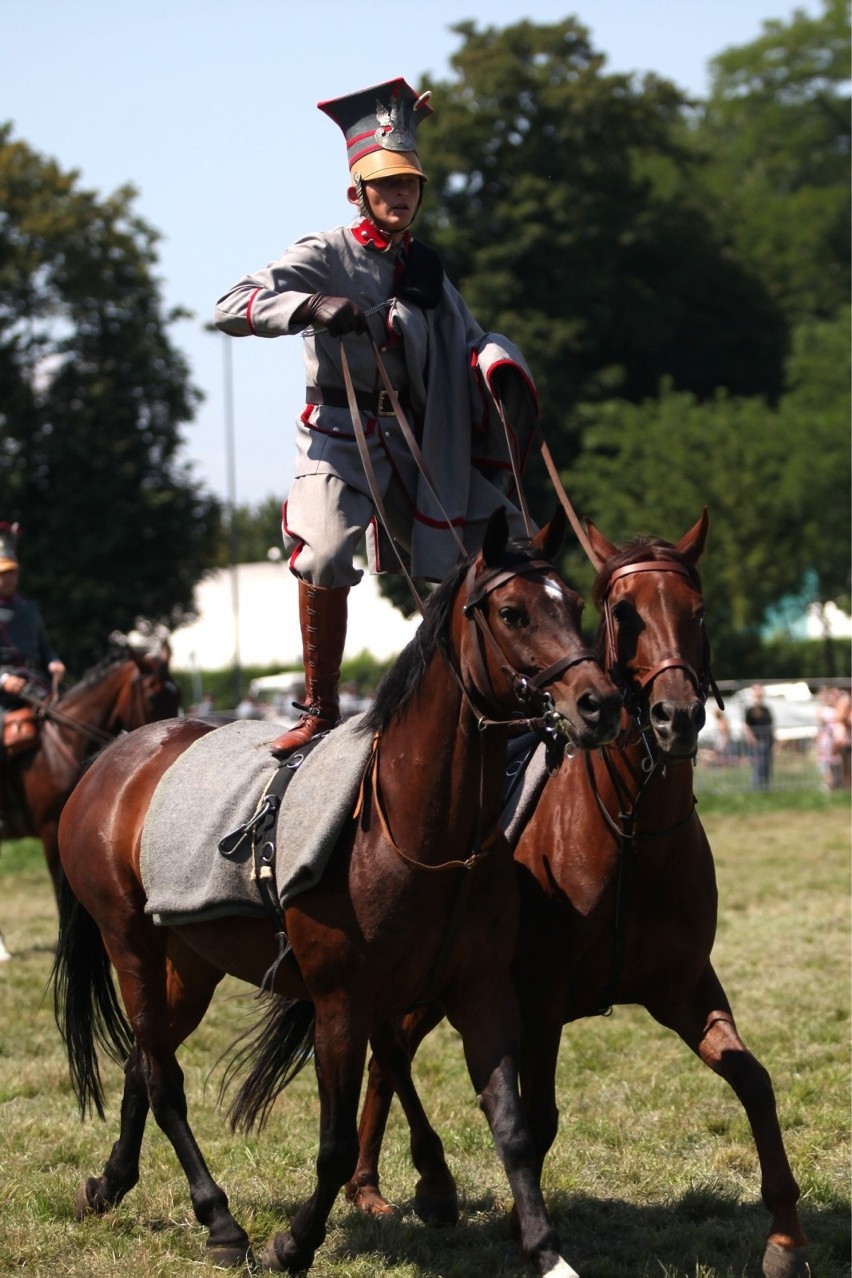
(522, 646)
(147, 693)
(652, 638)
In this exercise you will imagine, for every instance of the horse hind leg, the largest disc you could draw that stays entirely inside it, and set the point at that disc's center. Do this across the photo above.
(706, 1025)
(99, 1193)
(165, 1001)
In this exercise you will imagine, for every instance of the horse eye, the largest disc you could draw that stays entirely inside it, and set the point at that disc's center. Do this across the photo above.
(624, 612)
(513, 617)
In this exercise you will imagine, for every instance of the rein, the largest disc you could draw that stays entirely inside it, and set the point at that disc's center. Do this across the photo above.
(47, 710)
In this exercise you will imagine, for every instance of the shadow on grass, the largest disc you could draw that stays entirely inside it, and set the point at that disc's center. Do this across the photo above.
(703, 1232)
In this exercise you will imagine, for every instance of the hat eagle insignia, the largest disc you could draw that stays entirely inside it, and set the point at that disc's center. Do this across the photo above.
(395, 133)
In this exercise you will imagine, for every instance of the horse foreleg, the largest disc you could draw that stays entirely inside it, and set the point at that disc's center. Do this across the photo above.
(340, 1053)
(706, 1024)
(487, 1020)
(436, 1197)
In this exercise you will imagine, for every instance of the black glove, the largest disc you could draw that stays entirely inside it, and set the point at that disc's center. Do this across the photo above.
(339, 315)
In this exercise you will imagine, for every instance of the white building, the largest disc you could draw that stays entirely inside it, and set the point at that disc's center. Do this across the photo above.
(268, 612)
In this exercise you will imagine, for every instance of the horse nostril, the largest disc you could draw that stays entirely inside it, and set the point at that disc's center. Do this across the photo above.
(699, 715)
(599, 708)
(662, 714)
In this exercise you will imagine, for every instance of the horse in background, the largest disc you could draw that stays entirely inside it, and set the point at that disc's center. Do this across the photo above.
(618, 891)
(120, 693)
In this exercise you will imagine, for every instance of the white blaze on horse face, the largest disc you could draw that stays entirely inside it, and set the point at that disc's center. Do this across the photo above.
(555, 591)
(562, 1270)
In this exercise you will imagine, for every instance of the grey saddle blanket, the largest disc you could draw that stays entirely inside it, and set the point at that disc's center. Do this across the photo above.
(526, 774)
(216, 786)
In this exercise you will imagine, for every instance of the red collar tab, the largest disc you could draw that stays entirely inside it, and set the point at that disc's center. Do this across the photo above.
(370, 235)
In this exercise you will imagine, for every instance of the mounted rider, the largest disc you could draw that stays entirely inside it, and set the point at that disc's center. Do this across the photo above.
(29, 663)
(365, 288)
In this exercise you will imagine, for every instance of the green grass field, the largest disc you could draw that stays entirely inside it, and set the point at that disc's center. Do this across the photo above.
(653, 1174)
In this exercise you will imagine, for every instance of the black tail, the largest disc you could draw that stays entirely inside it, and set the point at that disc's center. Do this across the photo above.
(276, 1049)
(85, 1002)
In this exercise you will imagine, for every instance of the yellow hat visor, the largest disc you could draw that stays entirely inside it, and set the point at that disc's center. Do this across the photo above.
(381, 164)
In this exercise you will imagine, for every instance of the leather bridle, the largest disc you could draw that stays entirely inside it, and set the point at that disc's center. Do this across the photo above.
(530, 690)
(636, 692)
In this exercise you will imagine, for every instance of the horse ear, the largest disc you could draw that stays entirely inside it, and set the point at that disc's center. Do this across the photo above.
(496, 537)
(550, 538)
(693, 543)
(602, 550)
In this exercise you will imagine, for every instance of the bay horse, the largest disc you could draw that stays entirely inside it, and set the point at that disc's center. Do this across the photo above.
(618, 892)
(419, 898)
(120, 693)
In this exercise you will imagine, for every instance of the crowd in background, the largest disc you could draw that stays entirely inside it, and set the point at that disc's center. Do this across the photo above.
(834, 739)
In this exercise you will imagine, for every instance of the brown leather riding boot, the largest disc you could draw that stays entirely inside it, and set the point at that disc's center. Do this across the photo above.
(322, 618)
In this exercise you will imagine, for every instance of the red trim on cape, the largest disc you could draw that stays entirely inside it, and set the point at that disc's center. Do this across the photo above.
(249, 305)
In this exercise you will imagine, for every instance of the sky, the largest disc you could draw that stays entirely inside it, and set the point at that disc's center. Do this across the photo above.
(208, 108)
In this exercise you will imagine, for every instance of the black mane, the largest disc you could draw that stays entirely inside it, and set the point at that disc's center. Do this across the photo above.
(399, 684)
(97, 672)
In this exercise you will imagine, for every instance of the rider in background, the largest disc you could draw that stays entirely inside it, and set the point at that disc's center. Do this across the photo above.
(373, 279)
(28, 660)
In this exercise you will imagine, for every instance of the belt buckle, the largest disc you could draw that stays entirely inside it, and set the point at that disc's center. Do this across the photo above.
(384, 407)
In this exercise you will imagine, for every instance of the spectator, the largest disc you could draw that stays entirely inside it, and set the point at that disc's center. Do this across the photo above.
(826, 708)
(841, 756)
(759, 729)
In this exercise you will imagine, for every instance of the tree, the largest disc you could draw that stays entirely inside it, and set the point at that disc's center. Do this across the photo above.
(257, 532)
(776, 482)
(775, 134)
(92, 396)
(556, 197)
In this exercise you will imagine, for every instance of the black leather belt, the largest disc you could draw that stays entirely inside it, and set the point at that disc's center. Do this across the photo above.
(375, 401)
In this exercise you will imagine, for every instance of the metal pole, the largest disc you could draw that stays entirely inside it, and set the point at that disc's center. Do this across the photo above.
(231, 489)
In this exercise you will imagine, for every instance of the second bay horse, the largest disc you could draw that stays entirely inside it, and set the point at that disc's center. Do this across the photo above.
(419, 901)
(618, 891)
(122, 692)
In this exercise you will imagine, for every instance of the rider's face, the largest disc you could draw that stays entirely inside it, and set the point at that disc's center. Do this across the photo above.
(8, 581)
(393, 202)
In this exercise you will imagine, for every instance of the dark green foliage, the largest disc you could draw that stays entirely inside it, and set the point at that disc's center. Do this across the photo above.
(92, 398)
(556, 196)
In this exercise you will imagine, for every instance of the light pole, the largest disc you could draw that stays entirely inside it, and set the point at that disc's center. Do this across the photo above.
(231, 493)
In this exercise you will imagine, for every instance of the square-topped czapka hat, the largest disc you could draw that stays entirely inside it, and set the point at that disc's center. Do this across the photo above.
(8, 546)
(379, 124)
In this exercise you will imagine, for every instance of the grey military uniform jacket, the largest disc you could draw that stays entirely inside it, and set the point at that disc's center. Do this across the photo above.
(439, 360)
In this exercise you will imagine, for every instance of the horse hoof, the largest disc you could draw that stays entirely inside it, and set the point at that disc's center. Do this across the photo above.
(369, 1201)
(234, 1256)
(283, 1256)
(785, 1262)
(437, 1209)
(89, 1202)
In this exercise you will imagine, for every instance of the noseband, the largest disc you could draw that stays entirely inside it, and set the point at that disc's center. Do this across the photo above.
(529, 689)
